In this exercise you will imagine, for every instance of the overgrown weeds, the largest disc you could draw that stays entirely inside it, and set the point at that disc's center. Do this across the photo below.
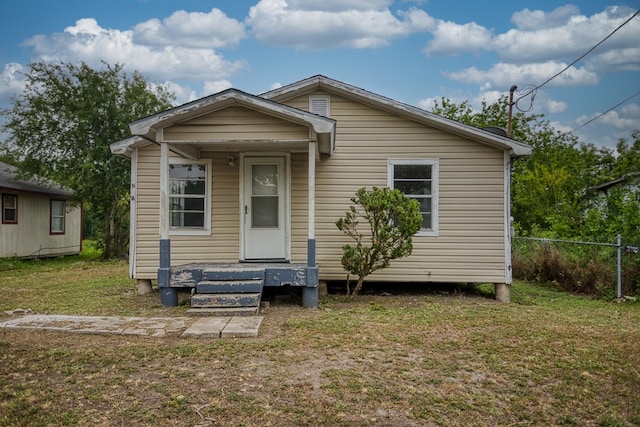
(590, 270)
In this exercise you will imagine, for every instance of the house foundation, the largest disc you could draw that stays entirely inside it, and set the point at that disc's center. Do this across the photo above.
(503, 292)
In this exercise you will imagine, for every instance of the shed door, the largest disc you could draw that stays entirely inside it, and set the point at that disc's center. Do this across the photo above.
(264, 208)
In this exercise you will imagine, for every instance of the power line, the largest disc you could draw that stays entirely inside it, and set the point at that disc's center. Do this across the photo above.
(581, 56)
(612, 108)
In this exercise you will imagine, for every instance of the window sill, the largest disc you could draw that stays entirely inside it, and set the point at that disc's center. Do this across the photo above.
(426, 233)
(186, 232)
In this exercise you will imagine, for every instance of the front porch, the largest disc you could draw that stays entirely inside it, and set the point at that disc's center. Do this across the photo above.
(236, 288)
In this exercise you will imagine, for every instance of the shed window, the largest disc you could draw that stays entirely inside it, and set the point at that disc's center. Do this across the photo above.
(418, 179)
(188, 194)
(58, 210)
(9, 209)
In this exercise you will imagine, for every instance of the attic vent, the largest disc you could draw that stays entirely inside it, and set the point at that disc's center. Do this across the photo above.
(319, 105)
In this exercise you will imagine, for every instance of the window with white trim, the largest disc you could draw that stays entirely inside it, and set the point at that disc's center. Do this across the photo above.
(189, 201)
(9, 209)
(418, 179)
(58, 211)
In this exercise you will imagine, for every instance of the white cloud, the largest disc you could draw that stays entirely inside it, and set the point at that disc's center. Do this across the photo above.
(183, 93)
(191, 29)
(627, 117)
(11, 81)
(560, 127)
(537, 19)
(553, 106)
(565, 34)
(503, 75)
(429, 103)
(626, 59)
(211, 87)
(450, 38)
(89, 42)
(337, 5)
(308, 25)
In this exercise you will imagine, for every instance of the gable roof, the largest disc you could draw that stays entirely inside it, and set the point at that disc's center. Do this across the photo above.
(9, 180)
(319, 82)
(145, 129)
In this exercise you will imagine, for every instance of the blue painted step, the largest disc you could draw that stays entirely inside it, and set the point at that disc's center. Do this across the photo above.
(232, 274)
(225, 300)
(228, 286)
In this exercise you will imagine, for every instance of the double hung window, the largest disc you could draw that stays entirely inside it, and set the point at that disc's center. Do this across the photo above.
(9, 209)
(189, 196)
(418, 179)
(58, 211)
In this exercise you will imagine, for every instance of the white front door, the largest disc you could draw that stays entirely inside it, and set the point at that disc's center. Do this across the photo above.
(265, 217)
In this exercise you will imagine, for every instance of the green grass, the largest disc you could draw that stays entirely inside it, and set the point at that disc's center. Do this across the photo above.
(547, 359)
(82, 284)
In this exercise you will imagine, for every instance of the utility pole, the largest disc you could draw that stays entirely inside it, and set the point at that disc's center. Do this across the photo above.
(513, 89)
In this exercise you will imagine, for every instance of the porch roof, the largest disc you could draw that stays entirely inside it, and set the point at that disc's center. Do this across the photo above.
(144, 131)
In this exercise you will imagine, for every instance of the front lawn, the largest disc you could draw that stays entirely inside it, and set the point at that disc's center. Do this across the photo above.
(410, 359)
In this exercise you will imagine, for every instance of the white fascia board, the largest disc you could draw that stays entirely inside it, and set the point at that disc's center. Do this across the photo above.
(147, 126)
(125, 146)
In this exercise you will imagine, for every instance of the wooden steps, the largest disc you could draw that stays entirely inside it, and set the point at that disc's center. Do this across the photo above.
(228, 292)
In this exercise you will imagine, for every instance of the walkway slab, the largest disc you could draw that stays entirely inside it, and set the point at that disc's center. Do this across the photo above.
(242, 326)
(188, 327)
(148, 326)
(207, 327)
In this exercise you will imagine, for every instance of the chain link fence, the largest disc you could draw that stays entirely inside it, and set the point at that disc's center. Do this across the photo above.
(603, 269)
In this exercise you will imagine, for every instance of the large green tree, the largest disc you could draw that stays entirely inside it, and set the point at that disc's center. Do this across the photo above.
(60, 128)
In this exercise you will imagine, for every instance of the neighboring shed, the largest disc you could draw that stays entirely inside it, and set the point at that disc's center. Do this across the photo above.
(237, 182)
(37, 218)
(628, 181)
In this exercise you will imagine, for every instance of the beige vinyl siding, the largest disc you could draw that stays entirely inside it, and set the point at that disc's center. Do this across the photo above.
(234, 124)
(223, 243)
(31, 237)
(148, 210)
(470, 242)
(299, 207)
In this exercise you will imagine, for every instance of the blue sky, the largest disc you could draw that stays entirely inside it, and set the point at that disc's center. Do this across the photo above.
(414, 51)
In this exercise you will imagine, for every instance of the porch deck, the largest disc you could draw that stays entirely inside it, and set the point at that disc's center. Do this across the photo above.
(275, 274)
(221, 289)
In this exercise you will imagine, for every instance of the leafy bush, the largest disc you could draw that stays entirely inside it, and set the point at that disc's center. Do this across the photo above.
(393, 219)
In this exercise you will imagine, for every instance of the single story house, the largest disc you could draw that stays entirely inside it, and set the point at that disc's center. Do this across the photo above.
(37, 217)
(239, 188)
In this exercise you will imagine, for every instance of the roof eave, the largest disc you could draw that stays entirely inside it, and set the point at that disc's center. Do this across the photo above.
(126, 146)
(147, 127)
(515, 148)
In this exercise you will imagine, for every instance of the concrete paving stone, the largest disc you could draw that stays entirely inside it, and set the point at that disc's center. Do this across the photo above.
(206, 327)
(242, 326)
(158, 326)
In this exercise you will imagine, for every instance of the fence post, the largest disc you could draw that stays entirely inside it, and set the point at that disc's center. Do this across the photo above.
(619, 281)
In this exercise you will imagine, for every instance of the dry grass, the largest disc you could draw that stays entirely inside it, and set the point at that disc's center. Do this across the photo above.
(414, 359)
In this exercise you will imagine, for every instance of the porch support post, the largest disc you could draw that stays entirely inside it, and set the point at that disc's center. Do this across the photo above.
(310, 291)
(168, 295)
